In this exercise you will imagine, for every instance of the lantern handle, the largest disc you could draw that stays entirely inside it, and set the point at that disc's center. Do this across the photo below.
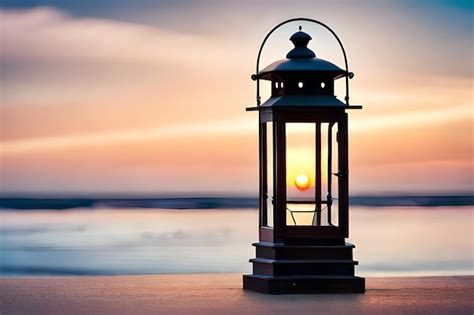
(349, 75)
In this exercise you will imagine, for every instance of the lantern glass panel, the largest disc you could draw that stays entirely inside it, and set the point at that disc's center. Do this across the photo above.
(332, 214)
(310, 183)
(269, 200)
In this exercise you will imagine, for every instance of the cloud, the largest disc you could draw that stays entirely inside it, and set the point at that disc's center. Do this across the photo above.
(247, 126)
(49, 34)
(130, 135)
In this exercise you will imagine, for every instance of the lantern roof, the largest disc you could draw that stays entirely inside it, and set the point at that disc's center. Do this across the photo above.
(301, 59)
(304, 101)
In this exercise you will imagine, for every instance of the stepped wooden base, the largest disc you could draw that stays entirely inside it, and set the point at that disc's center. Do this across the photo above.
(302, 268)
(303, 285)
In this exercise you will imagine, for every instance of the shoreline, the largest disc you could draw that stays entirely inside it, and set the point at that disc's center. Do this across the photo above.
(223, 294)
(185, 203)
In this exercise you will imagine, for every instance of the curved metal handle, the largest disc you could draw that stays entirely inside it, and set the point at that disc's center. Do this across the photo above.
(349, 75)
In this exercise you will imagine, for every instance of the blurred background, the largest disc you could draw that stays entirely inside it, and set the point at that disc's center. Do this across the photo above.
(147, 99)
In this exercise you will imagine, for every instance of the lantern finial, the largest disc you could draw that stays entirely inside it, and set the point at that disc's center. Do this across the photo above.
(300, 39)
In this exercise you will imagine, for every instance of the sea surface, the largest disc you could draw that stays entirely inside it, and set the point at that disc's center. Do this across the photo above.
(390, 241)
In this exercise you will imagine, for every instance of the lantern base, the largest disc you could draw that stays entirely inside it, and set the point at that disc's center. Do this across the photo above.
(318, 267)
(304, 285)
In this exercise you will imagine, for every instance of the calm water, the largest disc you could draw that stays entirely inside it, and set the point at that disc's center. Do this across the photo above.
(390, 241)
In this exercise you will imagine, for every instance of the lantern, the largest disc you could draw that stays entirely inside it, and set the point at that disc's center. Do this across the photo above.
(304, 183)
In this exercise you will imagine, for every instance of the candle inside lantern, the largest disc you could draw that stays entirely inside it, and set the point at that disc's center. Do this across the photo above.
(302, 182)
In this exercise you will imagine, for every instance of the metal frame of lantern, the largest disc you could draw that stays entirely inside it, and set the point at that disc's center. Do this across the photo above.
(281, 231)
(255, 76)
(279, 118)
(275, 268)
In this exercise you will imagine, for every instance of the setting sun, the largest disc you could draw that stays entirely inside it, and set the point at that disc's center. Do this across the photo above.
(302, 182)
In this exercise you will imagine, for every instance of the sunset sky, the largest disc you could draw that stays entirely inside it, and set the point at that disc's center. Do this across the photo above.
(150, 96)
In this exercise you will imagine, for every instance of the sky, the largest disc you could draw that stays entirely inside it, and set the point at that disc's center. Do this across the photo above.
(149, 97)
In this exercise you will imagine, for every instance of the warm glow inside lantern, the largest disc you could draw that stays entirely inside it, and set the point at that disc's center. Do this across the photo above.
(304, 201)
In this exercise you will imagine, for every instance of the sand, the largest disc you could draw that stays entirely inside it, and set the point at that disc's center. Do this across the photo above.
(222, 294)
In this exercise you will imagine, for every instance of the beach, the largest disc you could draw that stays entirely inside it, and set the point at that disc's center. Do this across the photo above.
(223, 294)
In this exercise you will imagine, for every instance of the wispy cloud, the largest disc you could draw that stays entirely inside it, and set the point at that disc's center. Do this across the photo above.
(131, 135)
(229, 127)
(48, 34)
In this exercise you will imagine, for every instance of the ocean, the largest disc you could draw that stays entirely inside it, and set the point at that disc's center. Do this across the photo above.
(103, 239)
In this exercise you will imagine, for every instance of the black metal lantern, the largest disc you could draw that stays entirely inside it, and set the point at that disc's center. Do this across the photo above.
(304, 201)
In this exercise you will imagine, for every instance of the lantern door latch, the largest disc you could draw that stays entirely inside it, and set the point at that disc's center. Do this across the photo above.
(341, 173)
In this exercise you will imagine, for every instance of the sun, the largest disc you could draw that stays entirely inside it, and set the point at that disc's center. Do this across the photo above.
(302, 182)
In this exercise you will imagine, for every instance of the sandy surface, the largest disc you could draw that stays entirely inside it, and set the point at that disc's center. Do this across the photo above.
(222, 294)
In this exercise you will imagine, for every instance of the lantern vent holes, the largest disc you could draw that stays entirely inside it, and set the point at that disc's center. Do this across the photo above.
(300, 85)
(323, 85)
(278, 85)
